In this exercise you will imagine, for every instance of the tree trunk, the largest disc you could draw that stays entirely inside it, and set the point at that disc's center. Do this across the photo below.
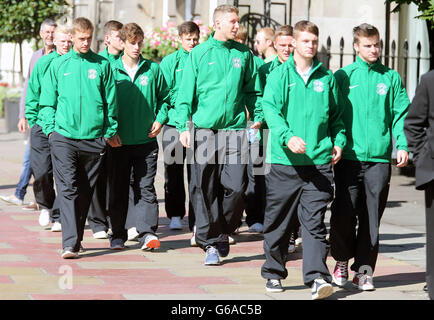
(21, 63)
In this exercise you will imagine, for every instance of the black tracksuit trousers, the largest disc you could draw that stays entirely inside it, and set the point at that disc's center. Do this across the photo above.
(218, 176)
(174, 190)
(132, 191)
(76, 167)
(42, 168)
(362, 189)
(304, 191)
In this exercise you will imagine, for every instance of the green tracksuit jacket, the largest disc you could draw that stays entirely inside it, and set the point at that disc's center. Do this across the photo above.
(219, 80)
(309, 111)
(78, 97)
(172, 67)
(110, 57)
(374, 105)
(139, 101)
(34, 89)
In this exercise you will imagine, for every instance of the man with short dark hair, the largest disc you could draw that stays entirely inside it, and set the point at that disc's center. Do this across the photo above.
(374, 104)
(255, 193)
(306, 137)
(98, 214)
(174, 153)
(112, 40)
(79, 108)
(219, 80)
(142, 92)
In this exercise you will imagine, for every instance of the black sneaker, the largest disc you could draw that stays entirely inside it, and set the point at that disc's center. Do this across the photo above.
(223, 246)
(69, 253)
(273, 285)
(117, 244)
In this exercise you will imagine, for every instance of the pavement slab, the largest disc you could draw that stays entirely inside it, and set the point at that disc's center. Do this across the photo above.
(31, 267)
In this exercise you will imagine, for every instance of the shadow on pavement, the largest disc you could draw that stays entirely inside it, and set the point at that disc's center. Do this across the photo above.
(400, 279)
(394, 236)
(387, 248)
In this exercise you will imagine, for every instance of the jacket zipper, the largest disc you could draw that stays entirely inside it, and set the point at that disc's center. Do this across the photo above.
(79, 76)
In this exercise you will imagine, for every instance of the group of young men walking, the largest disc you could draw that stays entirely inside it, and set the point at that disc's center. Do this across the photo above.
(326, 138)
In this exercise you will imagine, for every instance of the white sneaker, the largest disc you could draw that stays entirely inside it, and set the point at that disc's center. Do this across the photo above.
(363, 281)
(56, 227)
(193, 238)
(256, 228)
(298, 242)
(132, 234)
(321, 289)
(231, 240)
(44, 218)
(175, 223)
(151, 242)
(100, 235)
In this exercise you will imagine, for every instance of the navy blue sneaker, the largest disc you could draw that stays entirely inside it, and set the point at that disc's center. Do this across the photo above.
(223, 246)
(212, 256)
(117, 244)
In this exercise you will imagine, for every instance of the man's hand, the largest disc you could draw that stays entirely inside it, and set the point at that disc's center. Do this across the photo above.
(297, 145)
(155, 130)
(22, 125)
(114, 141)
(401, 158)
(256, 125)
(337, 154)
(184, 138)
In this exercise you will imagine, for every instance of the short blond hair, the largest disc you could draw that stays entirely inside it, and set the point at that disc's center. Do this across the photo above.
(63, 28)
(224, 8)
(268, 33)
(81, 24)
(241, 34)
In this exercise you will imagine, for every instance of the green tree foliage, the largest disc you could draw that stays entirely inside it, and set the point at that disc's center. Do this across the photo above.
(425, 7)
(20, 20)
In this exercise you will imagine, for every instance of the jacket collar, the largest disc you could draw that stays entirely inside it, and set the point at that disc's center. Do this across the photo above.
(112, 56)
(76, 55)
(119, 64)
(315, 65)
(219, 43)
(365, 65)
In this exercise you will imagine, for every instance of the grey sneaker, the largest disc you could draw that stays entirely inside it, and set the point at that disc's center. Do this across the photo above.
(212, 256)
(274, 285)
(321, 289)
(12, 199)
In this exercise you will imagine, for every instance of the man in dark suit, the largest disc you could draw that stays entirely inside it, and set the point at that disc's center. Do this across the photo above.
(419, 129)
